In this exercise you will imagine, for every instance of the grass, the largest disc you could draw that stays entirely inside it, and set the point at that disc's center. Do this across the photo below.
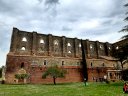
(68, 89)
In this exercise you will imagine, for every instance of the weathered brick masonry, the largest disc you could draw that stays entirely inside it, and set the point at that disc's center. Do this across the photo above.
(35, 52)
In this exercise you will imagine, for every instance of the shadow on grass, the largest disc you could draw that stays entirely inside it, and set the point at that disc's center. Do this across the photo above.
(117, 84)
(44, 84)
(80, 83)
(60, 84)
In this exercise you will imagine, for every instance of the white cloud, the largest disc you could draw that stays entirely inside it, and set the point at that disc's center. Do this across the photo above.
(91, 19)
(85, 25)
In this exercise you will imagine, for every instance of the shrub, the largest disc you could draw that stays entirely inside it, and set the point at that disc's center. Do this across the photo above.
(21, 76)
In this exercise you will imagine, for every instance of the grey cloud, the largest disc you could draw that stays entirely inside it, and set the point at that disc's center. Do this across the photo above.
(66, 28)
(51, 2)
(5, 38)
(61, 17)
(50, 6)
(117, 8)
(40, 1)
(10, 8)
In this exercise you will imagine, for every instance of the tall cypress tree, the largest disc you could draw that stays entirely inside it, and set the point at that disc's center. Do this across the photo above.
(84, 63)
(125, 28)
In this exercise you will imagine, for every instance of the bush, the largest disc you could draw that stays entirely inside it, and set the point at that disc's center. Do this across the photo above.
(21, 76)
(107, 82)
(2, 82)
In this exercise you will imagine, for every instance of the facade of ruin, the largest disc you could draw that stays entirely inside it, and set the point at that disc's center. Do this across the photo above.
(34, 53)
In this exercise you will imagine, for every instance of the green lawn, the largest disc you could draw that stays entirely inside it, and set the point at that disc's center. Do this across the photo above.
(70, 89)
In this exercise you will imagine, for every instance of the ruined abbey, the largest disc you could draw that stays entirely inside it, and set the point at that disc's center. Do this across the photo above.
(33, 53)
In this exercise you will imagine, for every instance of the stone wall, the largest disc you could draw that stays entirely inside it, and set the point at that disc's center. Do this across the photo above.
(36, 52)
(32, 43)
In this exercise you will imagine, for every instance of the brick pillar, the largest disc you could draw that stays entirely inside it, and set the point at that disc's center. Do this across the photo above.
(97, 48)
(108, 49)
(87, 48)
(76, 45)
(63, 46)
(34, 43)
(14, 40)
(50, 42)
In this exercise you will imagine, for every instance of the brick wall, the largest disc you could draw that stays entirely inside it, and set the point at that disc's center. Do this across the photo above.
(39, 51)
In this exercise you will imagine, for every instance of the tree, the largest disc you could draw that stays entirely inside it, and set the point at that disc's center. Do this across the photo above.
(121, 54)
(0, 72)
(125, 28)
(54, 72)
(84, 63)
(21, 76)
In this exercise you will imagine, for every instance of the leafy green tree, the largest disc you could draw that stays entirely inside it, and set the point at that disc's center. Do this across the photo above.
(125, 28)
(21, 76)
(54, 72)
(121, 54)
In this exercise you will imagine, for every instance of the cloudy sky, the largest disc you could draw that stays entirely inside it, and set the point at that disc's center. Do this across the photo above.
(87, 19)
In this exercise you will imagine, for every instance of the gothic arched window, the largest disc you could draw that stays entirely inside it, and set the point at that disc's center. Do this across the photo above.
(23, 48)
(69, 45)
(79, 48)
(24, 39)
(91, 46)
(101, 47)
(42, 41)
(69, 50)
(117, 47)
(56, 42)
(109, 48)
(56, 45)
(92, 49)
(41, 45)
(79, 45)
